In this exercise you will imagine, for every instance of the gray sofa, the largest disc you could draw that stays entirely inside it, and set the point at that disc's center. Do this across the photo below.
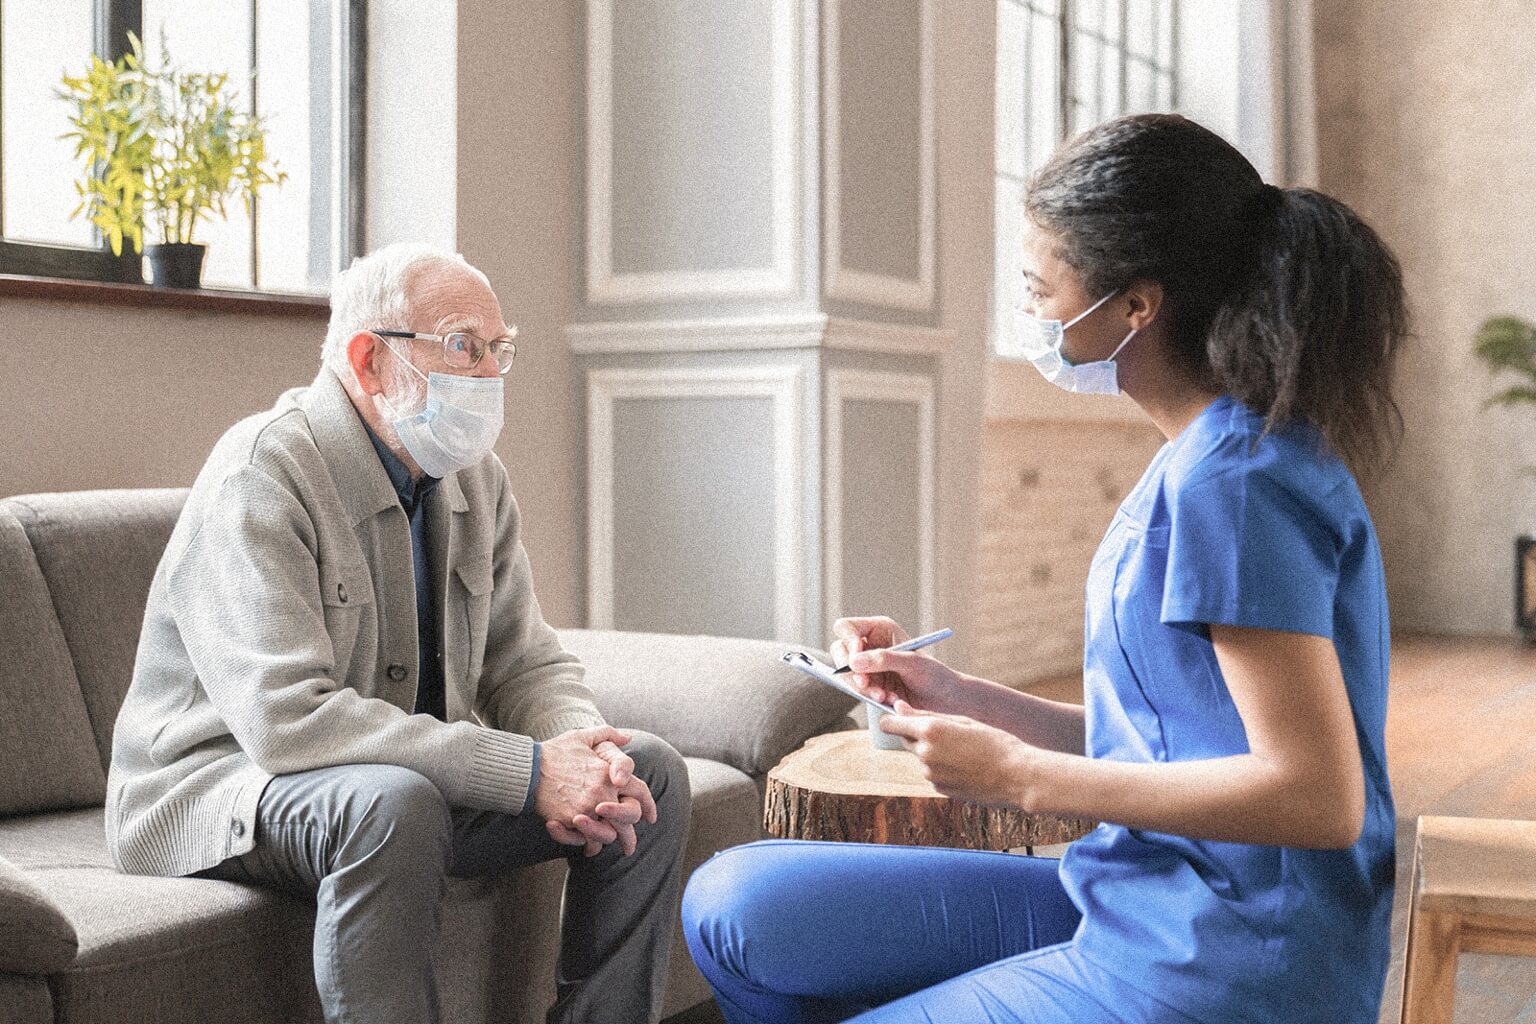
(80, 942)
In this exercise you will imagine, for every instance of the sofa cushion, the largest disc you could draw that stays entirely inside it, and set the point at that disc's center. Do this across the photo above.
(25, 1000)
(48, 756)
(726, 699)
(98, 551)
(35, 936)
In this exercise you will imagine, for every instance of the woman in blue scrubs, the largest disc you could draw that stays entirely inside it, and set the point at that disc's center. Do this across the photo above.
(1235, 673)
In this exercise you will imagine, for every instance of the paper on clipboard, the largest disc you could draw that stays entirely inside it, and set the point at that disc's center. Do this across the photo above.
(823, 672)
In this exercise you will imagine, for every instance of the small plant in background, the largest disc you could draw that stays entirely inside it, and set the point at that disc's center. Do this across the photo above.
(1509, 343)
(164, 148)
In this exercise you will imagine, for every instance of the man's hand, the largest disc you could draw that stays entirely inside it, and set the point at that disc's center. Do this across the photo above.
(589, 796)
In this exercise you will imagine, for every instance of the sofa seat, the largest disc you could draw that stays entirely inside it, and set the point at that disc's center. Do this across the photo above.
(193, 949)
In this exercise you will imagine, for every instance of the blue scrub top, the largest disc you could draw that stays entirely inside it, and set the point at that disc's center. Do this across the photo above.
(1233, 526)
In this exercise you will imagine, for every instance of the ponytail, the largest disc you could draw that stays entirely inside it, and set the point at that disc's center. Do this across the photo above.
(1284, 299)
(1314, 334)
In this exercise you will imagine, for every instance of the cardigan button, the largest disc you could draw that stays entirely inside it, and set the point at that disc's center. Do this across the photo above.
(237, 827)
(396, 673)
(341, 592)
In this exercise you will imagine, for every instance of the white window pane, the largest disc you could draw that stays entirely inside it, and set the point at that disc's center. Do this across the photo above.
(214, 38)
(1113, 18)
(297, 54)
(39, 41)
(1088, 15)
(1110, 95)
(201, 37)
(1086, 67)
(1167, 29)
(1044, 123)
(1050, 8)
(1141, 27)
(228, 263)
(1009, 218)
(1141, 86)
(1012, 86)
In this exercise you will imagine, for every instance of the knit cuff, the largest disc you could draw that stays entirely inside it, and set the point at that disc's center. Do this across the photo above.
(500, 771)
(553, 726)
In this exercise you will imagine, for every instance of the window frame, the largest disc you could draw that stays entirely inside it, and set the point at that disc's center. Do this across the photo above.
(113, 20)
(1071, 104)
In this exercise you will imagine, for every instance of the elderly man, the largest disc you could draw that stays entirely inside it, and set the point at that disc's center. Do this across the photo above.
(345, 687)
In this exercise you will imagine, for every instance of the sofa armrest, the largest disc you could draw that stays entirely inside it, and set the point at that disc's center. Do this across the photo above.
(35, 936)
(722, 698)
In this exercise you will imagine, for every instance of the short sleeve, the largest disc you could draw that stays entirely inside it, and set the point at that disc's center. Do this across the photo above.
(1245, 550)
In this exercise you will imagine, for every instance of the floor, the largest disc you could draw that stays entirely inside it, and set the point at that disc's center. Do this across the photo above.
(1461, 740)
(704, 1013)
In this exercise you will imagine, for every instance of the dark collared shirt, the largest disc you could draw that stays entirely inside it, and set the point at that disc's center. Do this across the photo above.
(413, 499)
(431, 697)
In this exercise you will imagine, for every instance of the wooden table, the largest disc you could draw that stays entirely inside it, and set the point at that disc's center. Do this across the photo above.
(838, 787)
(1473, 891)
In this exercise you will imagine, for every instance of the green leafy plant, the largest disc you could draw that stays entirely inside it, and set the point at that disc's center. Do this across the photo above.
(1508, 343)
(164, 148)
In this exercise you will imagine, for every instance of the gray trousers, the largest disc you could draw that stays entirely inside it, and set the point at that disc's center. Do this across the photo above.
(374, 846)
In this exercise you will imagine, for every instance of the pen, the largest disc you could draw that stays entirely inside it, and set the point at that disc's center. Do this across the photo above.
(915, 644)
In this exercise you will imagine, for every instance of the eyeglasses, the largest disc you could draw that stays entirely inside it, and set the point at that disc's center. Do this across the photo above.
(464, 351)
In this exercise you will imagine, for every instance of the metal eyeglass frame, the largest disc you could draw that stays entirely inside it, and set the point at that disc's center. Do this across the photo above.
(499, 345)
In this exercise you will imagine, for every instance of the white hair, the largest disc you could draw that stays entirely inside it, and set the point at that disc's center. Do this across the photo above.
(374, 293)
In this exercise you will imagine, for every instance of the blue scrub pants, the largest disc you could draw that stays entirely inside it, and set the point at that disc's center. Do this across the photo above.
(793, 931)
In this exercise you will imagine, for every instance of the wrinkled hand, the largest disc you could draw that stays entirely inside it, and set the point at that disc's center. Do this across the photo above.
(608, 800)
(964, 758)
(913, 676)
(574, 779)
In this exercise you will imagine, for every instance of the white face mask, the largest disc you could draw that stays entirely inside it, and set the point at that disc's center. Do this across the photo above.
(1039, 341)
(456, 427)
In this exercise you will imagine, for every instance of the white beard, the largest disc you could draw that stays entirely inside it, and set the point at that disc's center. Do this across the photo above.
(404, 396)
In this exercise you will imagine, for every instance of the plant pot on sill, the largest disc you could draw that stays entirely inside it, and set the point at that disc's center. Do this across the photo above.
(176, 264)
(1525, 587)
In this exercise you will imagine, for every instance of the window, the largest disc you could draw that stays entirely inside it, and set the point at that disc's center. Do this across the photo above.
(1063, 66)
(299, 64)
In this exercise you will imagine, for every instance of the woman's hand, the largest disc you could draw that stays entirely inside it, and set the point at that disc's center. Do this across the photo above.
(964, 758)
(913, 676)
(863, 634)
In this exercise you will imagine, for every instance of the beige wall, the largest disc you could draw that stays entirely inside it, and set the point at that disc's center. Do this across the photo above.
(965, 55)
(105, 396)
(520, 138)
(118, 397)
(1426, 118)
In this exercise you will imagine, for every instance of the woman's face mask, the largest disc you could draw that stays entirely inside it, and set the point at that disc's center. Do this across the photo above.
(1039, 342)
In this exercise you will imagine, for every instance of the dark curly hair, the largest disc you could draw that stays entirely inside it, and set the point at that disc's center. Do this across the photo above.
(1283, 298)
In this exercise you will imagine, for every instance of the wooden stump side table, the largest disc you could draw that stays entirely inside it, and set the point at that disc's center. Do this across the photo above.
(838, 787)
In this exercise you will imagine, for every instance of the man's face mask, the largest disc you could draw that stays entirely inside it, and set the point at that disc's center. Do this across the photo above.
(1039, 341)
(456, 426)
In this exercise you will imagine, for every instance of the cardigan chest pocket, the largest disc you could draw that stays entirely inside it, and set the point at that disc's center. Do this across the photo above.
(475, 578)
(346, 590)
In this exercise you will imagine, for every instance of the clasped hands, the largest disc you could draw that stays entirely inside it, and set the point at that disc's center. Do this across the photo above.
(588, 793)
(962, 757)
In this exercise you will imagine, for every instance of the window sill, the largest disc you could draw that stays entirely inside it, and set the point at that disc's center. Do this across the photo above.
(108, 293)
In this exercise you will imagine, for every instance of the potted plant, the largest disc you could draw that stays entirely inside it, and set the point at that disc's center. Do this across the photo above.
(1508, 344)
(164, 148)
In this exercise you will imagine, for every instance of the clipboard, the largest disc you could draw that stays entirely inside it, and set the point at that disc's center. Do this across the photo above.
(824, 673)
